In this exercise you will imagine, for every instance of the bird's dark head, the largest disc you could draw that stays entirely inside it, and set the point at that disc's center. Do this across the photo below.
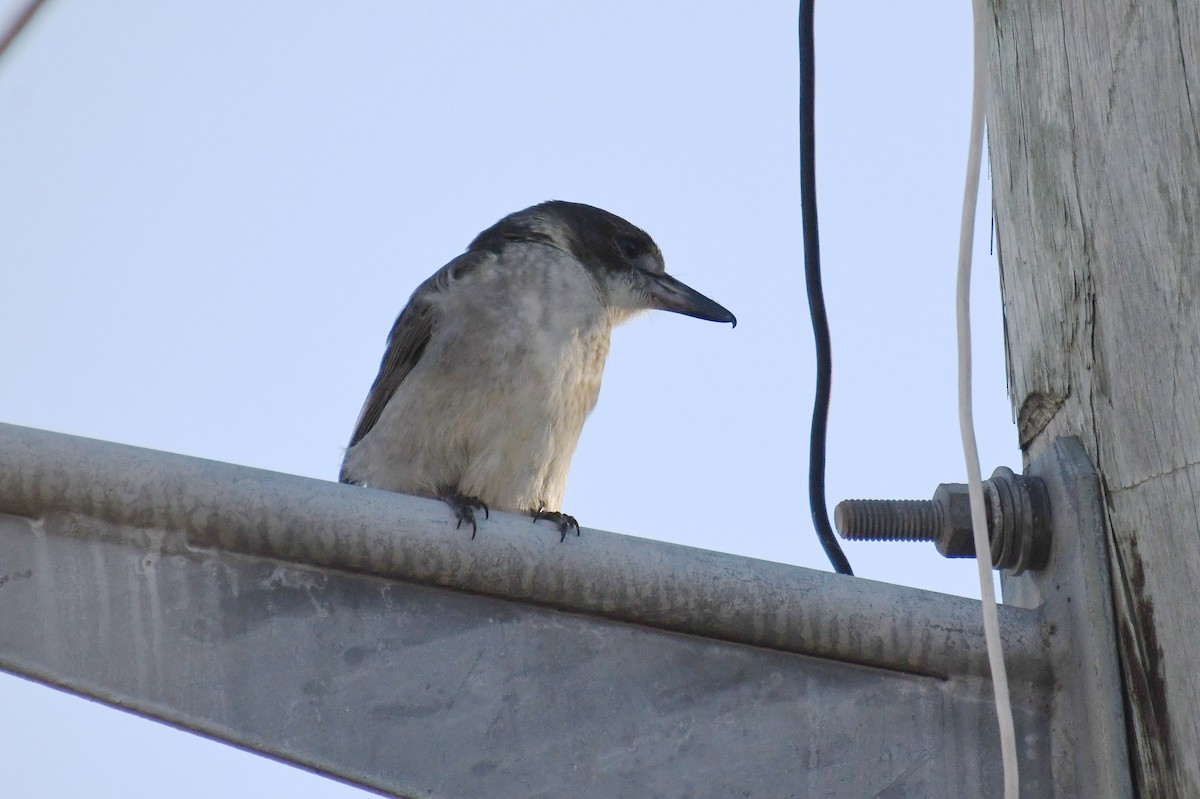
(627, 264)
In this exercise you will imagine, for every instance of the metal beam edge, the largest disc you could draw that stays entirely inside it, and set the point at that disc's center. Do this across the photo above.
(667, 586)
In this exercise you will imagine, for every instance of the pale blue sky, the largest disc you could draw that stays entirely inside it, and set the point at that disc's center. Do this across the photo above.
(210, 213)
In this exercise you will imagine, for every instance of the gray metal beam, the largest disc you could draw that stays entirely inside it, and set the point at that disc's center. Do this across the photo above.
(356, 633)
(238, 509)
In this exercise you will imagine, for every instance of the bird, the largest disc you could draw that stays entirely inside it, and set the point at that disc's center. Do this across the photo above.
(494, 364)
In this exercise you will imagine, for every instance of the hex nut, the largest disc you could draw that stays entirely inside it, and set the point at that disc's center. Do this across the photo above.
(955, 538)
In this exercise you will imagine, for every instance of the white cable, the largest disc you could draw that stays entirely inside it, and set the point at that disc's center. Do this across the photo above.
(991, 622)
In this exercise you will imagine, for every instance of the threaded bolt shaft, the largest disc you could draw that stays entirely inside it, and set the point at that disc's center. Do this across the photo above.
(888, 519)
(1018, 510)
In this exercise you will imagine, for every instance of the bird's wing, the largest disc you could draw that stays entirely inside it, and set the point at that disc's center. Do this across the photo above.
(408, 339)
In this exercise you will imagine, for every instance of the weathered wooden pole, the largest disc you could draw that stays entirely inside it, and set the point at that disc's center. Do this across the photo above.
(1094, 129)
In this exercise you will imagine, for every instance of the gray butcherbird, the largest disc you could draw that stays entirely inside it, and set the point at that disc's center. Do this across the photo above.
(494, 364)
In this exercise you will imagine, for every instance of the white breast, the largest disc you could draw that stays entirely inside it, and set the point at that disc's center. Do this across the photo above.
(495, 406)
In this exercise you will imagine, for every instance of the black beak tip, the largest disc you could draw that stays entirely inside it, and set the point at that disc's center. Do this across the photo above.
(722, 315)
(669, 294)
(715, 313)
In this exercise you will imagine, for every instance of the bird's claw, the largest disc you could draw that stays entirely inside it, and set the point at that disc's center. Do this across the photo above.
(563, 521)
(464, 508)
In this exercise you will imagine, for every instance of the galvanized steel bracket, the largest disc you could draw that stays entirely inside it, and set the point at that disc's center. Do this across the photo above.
(351, 632)
(1073, 596)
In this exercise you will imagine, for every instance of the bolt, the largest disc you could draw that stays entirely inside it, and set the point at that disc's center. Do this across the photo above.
(1018, 513)
(888, 519)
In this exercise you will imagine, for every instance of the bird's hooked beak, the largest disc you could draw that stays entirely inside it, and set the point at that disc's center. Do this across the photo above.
(669, 294)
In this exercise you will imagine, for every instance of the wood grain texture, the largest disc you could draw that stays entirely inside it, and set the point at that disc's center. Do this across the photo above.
(1095, 155)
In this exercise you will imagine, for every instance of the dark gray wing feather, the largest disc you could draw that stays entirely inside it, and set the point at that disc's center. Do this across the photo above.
(408, 339)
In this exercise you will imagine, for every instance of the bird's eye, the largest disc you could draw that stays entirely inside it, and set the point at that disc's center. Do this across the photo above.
(629, 247)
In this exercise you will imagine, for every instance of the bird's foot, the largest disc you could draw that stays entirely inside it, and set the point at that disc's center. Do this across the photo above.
(464, 508)
(564, 521)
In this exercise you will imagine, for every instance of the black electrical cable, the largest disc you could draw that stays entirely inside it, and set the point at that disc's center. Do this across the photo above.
(816, 297)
